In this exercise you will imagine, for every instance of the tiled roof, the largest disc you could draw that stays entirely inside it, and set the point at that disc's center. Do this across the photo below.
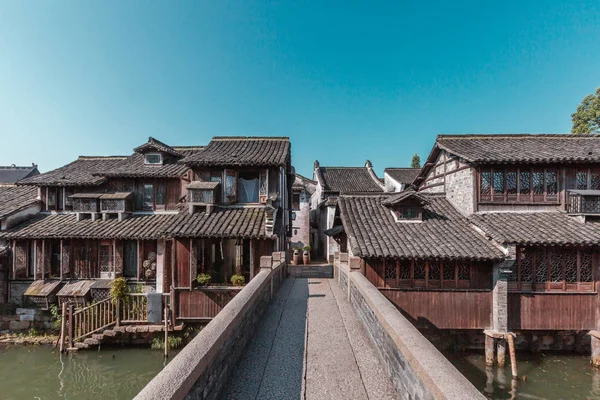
(202, 185)
(373, 232)
(301, 182)
(541, 148)
(346, 180)
(405, 195)
(243, 151)
(157, 145)
(403, 175)
(134, 167)
(81, 172)
(13, 173)
(15, 198)
(541, 228)
(222, 222)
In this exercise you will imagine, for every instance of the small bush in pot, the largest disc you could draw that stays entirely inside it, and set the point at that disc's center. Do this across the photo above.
(203, 279)
(238, 280)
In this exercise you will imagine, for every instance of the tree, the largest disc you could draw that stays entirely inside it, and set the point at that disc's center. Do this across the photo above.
(586, 119)
(416, 161)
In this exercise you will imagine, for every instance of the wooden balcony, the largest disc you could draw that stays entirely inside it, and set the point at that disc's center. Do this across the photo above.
(583, 202)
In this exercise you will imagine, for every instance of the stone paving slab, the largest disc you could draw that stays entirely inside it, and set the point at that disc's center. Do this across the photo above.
(309, 345)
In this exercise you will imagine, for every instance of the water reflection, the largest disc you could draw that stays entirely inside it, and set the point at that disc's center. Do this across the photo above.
(541, 376)
(40, 372)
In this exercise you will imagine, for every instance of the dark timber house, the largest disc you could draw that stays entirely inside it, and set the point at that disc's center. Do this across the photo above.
(159, 217)
(501, 236)
(331, 182)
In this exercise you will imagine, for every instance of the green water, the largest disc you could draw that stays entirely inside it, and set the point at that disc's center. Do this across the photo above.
(545, 376)
(42, 373)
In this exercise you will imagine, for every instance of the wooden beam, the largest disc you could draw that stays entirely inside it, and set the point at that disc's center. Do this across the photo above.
(139, 259)
(61, 261)
(14, 259)
(251, 259)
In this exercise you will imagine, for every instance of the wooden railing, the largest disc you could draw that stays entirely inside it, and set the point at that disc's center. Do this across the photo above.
(92, 319)
(580, 204)
(134, 309)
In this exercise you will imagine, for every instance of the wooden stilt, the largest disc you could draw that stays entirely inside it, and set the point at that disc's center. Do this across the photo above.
(489, 350)
(513, 355)
(166, 331)
(501, 352)
(63, 322)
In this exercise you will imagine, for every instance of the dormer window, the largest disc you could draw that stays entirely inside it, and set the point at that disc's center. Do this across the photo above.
(406, 206)
(408, 212)
(153, 158)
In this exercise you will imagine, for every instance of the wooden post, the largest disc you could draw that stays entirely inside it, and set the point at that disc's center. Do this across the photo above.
(70, 325)
(501, 352)
(251, 259)
(63, 321)
(513, 355)
(61, 259)
(489, 350)
(118, 312)
(166, 331)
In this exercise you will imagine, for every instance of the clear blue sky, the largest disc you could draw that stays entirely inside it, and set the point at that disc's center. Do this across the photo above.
(346, 80)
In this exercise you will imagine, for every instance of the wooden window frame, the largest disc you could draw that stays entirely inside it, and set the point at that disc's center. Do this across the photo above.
(505, 198)
(427, 282)
(548, 285)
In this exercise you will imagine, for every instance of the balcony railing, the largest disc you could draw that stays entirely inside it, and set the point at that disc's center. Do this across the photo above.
(583, 202)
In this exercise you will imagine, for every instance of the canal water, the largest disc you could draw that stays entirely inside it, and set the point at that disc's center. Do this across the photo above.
(542, 376)
(42, 373)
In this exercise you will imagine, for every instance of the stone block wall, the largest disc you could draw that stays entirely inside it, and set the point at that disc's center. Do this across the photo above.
(25, 319)
(459, 187)
(417, 369)
(16, 290)
(201, 369)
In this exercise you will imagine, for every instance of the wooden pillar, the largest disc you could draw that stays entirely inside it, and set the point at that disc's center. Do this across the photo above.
(61, 259)
(501, 352)
(251, 258)
(489, 350)
(14, 259)
(139, 257)
(193, 263)
(173, 265)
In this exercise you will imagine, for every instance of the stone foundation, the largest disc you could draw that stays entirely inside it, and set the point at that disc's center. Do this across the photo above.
(25, 319)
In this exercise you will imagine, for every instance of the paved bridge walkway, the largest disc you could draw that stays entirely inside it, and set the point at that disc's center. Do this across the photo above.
(310, 345)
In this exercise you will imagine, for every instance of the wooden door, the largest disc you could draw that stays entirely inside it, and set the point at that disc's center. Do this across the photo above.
(130, 259)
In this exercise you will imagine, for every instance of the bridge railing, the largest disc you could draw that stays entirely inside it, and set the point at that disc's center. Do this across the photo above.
(202, 368)
(415, 366)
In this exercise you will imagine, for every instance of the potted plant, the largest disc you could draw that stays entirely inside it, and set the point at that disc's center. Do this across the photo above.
(238, 280)
(296, 256)
(203, 279)
(306, 255)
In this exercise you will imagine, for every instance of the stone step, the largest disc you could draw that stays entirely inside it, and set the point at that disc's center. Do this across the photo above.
(91, 341)
(80, 345)
(98, 336)
(109, 333)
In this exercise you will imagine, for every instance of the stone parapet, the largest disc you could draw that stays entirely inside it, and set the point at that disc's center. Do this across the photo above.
(201, 369)
(417, 369)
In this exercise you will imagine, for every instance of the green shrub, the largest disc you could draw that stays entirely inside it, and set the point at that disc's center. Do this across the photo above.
(238, 280)
(158, 343)
(56, 316)
(306, 248)
(118, 289)
(203, 279)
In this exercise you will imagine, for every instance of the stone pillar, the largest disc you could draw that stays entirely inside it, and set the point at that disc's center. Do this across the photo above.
(160, 264)
(595, 336)
(501, 270)
(501, 352)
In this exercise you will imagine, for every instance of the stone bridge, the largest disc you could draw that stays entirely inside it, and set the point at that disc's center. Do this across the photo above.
(309, 338)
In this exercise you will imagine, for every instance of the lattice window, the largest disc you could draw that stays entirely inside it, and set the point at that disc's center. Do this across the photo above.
(434, 270)
(486, 183)
(556, 274)
(201, 196)
(538, 182)
(390, 269)
(464, 271)
(541, 267)
(419, 269)
(595, 180)
(498, 182)
(551, 183)
(263, 183)
(585, 274)
(449, 270)
(230, 185)
(404, 269)
(570, 266)
(526, 267)
(511, 182)
(20, 267)
(524, 182)
(582, 180)
(105, 258)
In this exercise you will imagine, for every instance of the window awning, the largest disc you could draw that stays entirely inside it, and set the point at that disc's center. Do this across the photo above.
(76, 289)
(43, 288)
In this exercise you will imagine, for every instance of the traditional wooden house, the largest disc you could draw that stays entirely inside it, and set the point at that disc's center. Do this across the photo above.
(159, 217)
(398, 179)
(331, 182)
(528, 208)
(302, 233)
